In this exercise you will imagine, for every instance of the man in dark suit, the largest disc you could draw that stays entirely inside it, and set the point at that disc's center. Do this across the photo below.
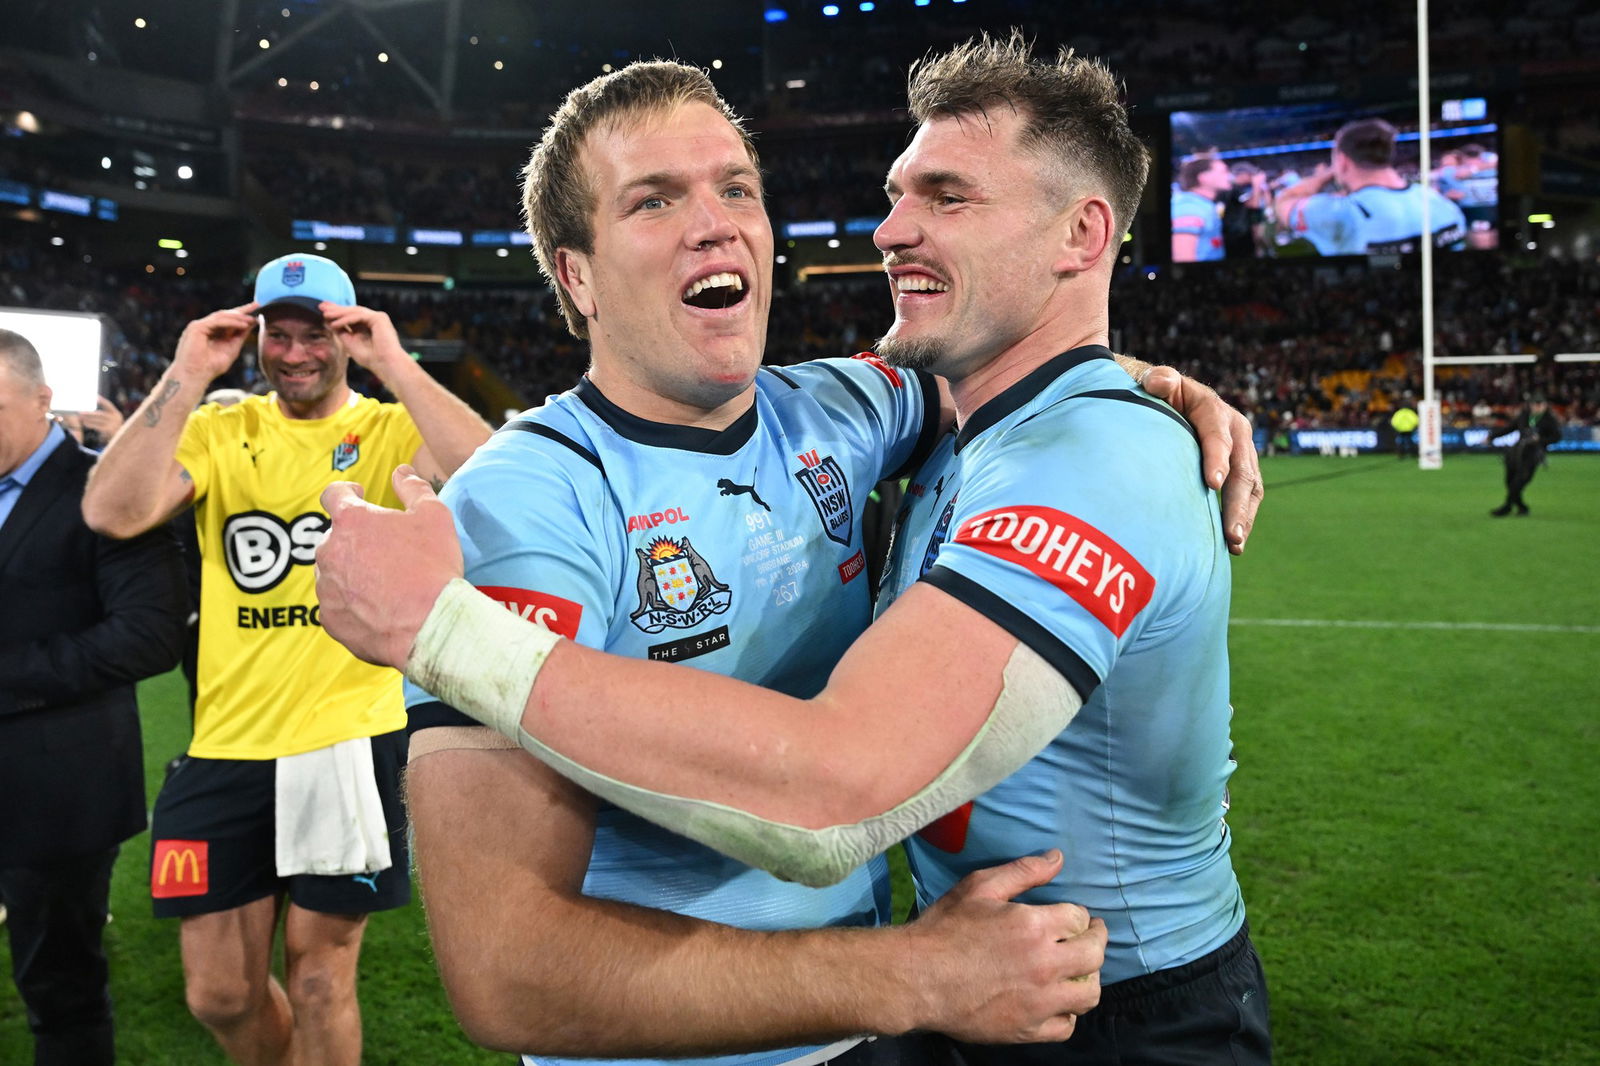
(82, 618)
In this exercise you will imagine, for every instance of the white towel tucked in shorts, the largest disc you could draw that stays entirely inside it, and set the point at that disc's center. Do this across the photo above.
(329, 815)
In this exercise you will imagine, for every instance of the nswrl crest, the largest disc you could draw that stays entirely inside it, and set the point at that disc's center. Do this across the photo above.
(676, 587)
(294, 273)
(347, 452)
(823, 480)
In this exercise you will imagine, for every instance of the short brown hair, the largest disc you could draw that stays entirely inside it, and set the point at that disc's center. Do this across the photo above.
(1072, 106)
(558, 196)
(1367, 142)
(1190, 170)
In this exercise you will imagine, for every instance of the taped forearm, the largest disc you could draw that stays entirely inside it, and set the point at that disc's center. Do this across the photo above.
(483, 660)
(1034, 705)
(478, 657)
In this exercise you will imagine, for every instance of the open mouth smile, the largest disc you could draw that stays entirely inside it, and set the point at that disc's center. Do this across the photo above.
(716, 292)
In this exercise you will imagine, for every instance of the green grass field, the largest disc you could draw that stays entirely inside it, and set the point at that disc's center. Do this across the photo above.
(1416, 813)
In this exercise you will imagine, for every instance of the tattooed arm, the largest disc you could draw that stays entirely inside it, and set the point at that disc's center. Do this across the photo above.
(138, 482)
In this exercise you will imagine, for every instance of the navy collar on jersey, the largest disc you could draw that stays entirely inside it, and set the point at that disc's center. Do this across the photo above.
(1025, 390)
(666, 434)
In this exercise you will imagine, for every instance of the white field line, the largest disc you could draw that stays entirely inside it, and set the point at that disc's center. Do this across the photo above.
(1360, 623)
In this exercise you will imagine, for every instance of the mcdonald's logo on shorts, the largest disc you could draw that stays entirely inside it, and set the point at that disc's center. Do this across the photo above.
(179, 868)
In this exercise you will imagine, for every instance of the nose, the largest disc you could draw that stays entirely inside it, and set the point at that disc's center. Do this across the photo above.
(897, 229)
(710, 222)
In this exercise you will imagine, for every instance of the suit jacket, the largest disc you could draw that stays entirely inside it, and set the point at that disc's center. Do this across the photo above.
(82, 617)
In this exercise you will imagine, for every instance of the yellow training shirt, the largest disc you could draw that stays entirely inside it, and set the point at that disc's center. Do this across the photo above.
(271, 681)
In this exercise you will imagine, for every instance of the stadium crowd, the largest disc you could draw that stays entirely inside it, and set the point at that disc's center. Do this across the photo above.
(344, 187)
(1323, 345)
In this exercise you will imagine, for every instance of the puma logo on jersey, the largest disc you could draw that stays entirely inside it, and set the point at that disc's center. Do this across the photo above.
(730, 488)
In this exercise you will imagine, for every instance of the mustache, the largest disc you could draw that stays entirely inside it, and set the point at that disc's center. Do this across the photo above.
(901, 259)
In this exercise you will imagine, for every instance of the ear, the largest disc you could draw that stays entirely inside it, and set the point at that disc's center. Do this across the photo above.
(1088, 235)
(574, 275)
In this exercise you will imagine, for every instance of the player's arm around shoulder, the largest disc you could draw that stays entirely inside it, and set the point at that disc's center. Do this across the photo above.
(957, 699)
(532, 965)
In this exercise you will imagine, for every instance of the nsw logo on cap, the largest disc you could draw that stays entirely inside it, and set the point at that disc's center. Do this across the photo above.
(294, 273)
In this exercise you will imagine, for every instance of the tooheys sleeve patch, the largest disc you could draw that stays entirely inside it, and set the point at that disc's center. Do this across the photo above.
(1069, 553)
(559, 616)
(888, 371)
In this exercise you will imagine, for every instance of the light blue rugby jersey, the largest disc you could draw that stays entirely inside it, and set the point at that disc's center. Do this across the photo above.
(1200, 217)
(1070, 511)
(1483, 188)
(1377, 220)
(736, 551)
(1445, 180)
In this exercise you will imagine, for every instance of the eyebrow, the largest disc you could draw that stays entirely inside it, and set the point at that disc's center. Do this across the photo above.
(937, 179)
(659, 178)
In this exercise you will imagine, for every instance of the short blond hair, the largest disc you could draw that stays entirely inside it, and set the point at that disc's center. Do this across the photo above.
(1072, 109)
(558, 195)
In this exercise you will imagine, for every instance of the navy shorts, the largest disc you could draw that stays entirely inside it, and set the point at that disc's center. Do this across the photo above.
(213, 846)
(1210, 1012)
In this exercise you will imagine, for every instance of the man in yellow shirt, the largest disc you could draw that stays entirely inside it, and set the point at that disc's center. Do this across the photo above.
(291, 783)
(1404, 422)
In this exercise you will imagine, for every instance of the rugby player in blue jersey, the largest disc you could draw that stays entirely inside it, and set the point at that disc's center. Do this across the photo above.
(1196, 210)
(511, 859)
(1378, 211)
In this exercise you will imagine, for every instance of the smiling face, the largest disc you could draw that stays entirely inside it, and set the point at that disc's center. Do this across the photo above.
(970, 243)
(677, 289)
(303, 361)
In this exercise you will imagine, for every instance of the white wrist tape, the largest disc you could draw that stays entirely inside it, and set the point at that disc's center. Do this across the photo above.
(1035, 704)
(481, 659)
(478, 657)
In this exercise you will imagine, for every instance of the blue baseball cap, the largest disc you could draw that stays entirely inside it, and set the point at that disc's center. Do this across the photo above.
(304, 280)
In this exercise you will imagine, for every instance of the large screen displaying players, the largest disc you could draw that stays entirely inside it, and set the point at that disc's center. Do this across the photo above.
(1333, 178)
